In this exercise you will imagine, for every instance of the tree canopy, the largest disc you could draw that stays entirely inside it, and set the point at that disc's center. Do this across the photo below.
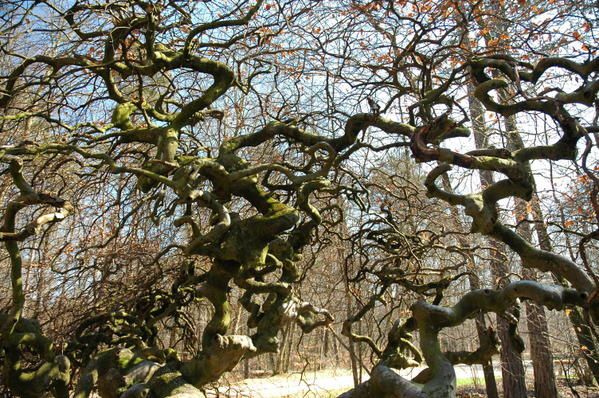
(159, 155)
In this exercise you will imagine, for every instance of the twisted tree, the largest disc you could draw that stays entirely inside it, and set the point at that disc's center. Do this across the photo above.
(416, 69)
(482, 207)
(150, 63)
(155, 113)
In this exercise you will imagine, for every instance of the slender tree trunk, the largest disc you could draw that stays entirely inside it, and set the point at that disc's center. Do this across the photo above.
(512, 369)
(246, 362)
(272, 362)
(246, 368)
(335, 348)
(321, 349)
(325, 348)
(360, 356)
(287, 358)
(513, 380)
(581, 327)
(481, 327)
(488, 372)
(540, 346)
(355, 365)
(285, 347)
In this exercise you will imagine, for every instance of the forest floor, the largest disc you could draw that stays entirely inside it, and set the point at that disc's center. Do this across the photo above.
(564, 391)
(310, 384)
(332, 382)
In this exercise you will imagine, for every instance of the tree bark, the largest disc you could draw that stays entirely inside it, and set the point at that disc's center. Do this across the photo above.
(488, 372)
(513, 381)
(512, 369)
(581, 327)
(352, 352)
(540, 346)
(481, 326)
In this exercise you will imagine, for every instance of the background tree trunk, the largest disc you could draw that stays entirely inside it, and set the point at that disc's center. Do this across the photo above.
(581, 327)
(540, 346)
(512, 369)
(355, 364)
(481, 326)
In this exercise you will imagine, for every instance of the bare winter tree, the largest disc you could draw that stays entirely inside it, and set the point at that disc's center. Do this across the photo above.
(157, 155)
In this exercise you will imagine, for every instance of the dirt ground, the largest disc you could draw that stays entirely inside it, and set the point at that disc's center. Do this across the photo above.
(332, 382)
(564, 390)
